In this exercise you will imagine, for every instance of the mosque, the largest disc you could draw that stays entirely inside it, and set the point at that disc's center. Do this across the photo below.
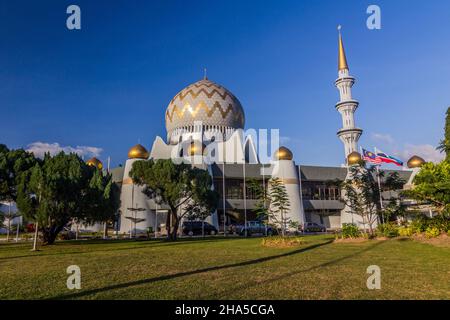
(205, 121)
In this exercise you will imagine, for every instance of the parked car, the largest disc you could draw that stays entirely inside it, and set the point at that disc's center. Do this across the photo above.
(313, 227)
(192, 228)
(255, 227)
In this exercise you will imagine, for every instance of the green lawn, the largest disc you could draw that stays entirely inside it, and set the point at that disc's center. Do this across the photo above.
(225, 269)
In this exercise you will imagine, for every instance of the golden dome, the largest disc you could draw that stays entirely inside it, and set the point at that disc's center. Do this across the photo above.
(194, 148)
(283, 153)
(207, 102)
(415, 162)
(94, 162)
(354, 158)
(138, 152)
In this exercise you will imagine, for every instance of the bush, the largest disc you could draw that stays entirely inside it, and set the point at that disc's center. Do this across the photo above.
(282, 242)
(405, 232)
(350, 230)
(432, 232)
(420, 224)
(440, 222)
(389, 230)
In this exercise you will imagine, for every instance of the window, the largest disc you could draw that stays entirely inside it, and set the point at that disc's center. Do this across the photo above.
(319, 190)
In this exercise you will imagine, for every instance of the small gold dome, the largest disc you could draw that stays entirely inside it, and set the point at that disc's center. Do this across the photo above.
(194, 148)
(94, 162)
(283, 153)
(138, 152)
(415, 162)
(353, 158)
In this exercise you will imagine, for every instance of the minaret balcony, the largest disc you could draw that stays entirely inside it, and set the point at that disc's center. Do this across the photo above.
(352, 103)
(350, 79)
(346, 131)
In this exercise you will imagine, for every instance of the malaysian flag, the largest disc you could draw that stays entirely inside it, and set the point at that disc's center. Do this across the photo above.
(371, 157)
(384, 157)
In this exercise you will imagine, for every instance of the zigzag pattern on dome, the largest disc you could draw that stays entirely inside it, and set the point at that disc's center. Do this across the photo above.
(207, 102)
(194, 95)
(209, 112)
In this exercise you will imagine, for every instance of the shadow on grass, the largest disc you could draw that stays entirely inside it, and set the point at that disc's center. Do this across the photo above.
(188, 273)
(290, 274)
(154, 243)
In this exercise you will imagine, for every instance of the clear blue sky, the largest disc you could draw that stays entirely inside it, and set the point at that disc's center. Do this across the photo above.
(108, 85)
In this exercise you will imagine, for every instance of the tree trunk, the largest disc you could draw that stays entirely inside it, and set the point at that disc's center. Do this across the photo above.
(175, 227)
(9, 228)
(49, 234)
(36, 232)
(168, 226)
(105, 231)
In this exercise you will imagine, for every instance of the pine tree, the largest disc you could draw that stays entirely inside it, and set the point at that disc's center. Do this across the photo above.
(279, 204)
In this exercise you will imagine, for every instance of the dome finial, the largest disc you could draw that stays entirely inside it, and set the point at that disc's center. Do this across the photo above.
(205, 77)
(342, 59)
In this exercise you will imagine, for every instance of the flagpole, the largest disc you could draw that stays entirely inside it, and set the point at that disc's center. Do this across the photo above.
(245, 200)
(264, 195)
(223, 198)
(379, 188)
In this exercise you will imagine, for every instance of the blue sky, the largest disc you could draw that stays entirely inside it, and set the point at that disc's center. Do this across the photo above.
(107, 85)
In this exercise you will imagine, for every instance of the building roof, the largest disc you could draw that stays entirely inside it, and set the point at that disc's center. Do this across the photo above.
(315, 173)
(236, 170)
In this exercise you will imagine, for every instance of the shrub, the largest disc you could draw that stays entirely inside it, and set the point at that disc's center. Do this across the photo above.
(388, 230)
(420, 224)
(350, 230)
(432, 232)
(282, 242)
(440, 222)
(405, 232)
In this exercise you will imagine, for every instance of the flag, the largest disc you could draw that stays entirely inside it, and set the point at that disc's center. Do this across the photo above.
(369, 156)
(388, 159)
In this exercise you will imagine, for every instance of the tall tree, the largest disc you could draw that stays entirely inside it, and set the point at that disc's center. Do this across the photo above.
(187, 191)
(13, 164)
(444, 145)
(362, 192)
(432, 183)
(432, 186)
(279, 204)
(262, 199)
(62, 188)
(272, 204)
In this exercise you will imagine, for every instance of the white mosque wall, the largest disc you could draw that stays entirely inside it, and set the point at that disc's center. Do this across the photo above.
(348, 216)
(131, 196)
(287, 172)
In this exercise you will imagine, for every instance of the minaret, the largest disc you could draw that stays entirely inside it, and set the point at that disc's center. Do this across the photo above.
(349, 134)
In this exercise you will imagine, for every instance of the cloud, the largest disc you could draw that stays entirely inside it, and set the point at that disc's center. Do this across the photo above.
(380, 137)
(426, 151)
(40, 148)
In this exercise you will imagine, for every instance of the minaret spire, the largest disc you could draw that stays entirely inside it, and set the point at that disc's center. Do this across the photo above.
(349, 134)
(342, 59)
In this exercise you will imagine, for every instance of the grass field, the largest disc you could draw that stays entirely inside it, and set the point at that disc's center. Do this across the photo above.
(220, 268)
